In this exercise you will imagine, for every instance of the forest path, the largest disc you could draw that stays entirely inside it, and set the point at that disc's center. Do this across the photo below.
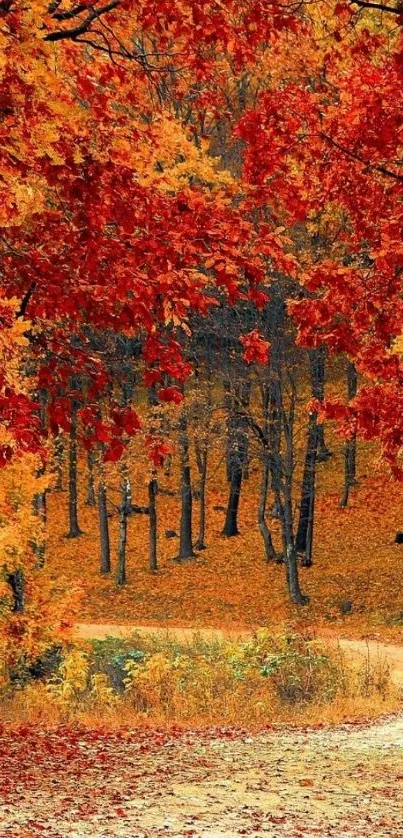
(357, 650)
(341, 781)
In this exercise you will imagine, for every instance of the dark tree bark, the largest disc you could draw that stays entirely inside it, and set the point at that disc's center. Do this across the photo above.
(39, 503)
(231, 518)
(105, 549)
(239, 437)
(281, 436)
(202, 459)
(185, 537)
(350, 448)
(152, 511)
(74, 530)
(229, 409)
(317, 358)
(125, 508)
(91, 499)
(124, 511)
(263, 528)
(16, 582)
(304, 538)
(59, 456)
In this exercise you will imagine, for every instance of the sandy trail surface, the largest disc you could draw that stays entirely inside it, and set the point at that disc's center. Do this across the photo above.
(345, 781)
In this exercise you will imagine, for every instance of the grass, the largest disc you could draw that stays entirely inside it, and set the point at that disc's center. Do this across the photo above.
(150, 680)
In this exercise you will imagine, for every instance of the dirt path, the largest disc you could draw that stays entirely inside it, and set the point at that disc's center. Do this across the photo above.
(331, 782)
(355, 649)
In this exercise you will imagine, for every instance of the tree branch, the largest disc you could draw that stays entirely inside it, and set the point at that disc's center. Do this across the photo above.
(354, 156)
(363, 4)
(84, 26)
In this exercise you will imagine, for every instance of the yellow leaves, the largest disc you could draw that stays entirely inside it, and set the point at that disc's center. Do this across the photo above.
(12, 345)
(169, 159)
(72, 680)
(102, 693)
(398, 345)
(20, 198)
(19, 527)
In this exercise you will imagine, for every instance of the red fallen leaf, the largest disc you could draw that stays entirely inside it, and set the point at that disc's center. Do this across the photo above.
(120, 813)
(276, 818)
(306, 782)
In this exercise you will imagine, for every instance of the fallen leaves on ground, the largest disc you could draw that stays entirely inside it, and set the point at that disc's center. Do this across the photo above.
(149, 783)
(230, 583)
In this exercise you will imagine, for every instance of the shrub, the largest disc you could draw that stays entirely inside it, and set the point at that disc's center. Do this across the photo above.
(299, 669)
(254, 682)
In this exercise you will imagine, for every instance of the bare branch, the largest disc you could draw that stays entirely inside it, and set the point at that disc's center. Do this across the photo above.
(363, 4)
(84, 26)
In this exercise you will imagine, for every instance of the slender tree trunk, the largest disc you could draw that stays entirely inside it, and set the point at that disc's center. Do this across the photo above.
(291, 558)
(59, 455)
(91, 499)
(282, 426)
(231, 518)
(202, 458)
(185, 537)
(74, 530)
(263, 528)
(304, 538)
(105, 549)
(152, 508)
(350, 448)
(229, 408)
(317, 358)
(124, 509)
(237, 458)
(16, 582)
(39, 503)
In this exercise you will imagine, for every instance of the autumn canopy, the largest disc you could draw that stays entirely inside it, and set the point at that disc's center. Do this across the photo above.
(201, 208)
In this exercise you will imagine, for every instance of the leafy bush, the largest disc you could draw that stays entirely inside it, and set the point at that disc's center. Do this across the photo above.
(300, 670)
(214, 682)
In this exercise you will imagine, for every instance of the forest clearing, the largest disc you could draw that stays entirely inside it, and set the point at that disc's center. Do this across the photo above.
(201, 418)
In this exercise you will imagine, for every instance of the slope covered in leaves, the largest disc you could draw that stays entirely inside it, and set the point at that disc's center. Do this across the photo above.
(230, 583)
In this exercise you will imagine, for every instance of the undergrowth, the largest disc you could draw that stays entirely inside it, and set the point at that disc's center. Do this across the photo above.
(269, 678)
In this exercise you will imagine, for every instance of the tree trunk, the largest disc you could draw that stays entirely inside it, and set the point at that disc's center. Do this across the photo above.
(59, 453)
(16, 582)
(231, 518)
(263, 528)
(291, 558)
(152, 492)
(39, 503)
(282, 426)
(124, 509)
(228, 405)
(185, 537)
(91, 499)
(317, 359)
(304, 539)
(237, 457)
(105, 549)
(350, 448)
(74, 530)
(201, 458)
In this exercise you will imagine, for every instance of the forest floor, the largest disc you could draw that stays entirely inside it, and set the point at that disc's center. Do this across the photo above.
(346, 780)
(357, 566)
